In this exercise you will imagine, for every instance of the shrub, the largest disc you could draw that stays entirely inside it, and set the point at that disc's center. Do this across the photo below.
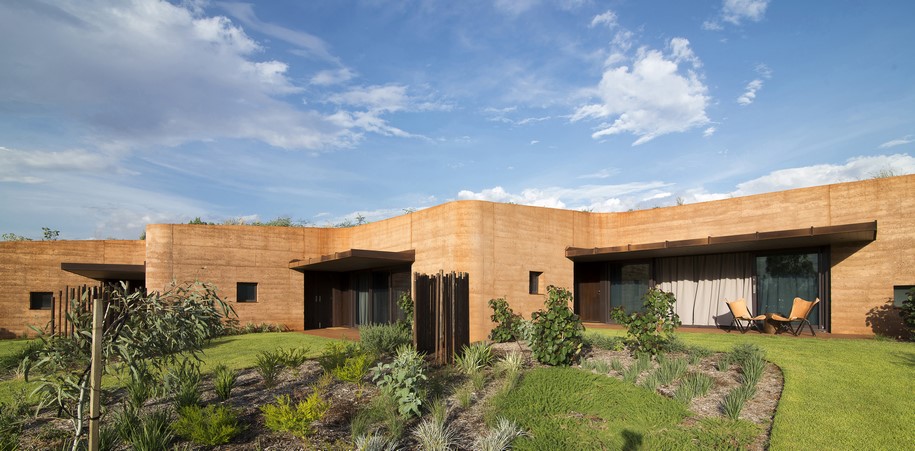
(402, 379)
(601, 341)
(474, 358)
(335, 354)
(282, 416)
(384, 338)
(269, 364)
(907, 311)
(354, 369)
(405, 302)
(510, 363)
(433, 434)
(525, 330)
(499, 437)
(293, 357)
(224, 380)
(213, 425)
(152, 432)
(651, 329)
(254, 328)
(557, 334)
(506, 320)
(183, 383)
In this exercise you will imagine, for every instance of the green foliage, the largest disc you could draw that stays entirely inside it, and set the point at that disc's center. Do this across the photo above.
(293, 357)
(13, 237)
(474, 357)
(706, 434)
(10, 427)
(752, 370)
(907, 310)
(651, 329)
(616, 365)
(142, 332)
(652, 381)
(213, 425)
(506, 320)
(511, 362)
(735, 400)
(381, 411)
(671, 369)
(384, 339)
(745, 352)
(11, 361)
(140, 386)
(407, 306)
(254, 328)
(557, 334)
(499, 437)
(434, 434)
(48, 234)
(354, 369)
(336, 353)
(464, 396)
(602, 341)
(224, 380)
(402, 380)
(600, 366)
(152, 432)
(282, 416)
(693, 385)
(182, 381)
(269, 365)
(375, 442)
(724, 362)
(642, 363)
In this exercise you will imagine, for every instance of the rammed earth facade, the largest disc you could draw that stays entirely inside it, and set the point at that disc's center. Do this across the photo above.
(850, 244)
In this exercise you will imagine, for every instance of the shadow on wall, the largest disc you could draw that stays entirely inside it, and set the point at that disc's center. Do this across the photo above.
(7, 334)
(886, 320)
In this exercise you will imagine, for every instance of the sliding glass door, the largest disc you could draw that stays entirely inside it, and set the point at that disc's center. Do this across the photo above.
(628, 284)
(782, 277)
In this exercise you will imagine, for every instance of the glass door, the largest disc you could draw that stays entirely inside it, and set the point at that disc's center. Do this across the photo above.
(628, 284)
(782, 277)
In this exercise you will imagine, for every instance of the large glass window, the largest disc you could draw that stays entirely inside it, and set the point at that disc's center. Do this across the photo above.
(782, 277)
(628, 284)
(41, 300)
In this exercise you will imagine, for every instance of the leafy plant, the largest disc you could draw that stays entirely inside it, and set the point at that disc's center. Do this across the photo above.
(907, 310)
(141, 330)
(499, 437)
(213, 425)
(384, 338)
(402, 379)
(140, 387)
(651, 329)
(474, 358)
(506, 320)
(602, 341)
(183, 382)
(269, 364)
(406, 305)
(557, 334)
(293, 357)
(153, 432)
(335, 354)
(284, 417)
(354, 369)
(224, 379)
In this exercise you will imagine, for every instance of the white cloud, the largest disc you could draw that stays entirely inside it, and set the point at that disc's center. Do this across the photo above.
(308, 44)
(332, 77)
(607, 18)
(735, 11)
(534, 141)
(749, 94)
(897, 142)
(601, 174)
(652, 98)
(709, 132)
(36, 166)
(590, 197)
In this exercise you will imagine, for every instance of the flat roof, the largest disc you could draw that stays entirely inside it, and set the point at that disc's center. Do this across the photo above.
(757, 241)
(106, 271)
(354, 260)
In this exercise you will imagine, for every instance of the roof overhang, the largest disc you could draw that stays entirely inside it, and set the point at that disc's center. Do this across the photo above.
(104, 271)
(759, 241)
(354, 260)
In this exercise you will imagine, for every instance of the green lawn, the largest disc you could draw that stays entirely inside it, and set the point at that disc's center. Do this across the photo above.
(838, 394)
(236, 352)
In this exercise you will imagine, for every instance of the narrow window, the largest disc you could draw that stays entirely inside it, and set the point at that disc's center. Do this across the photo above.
(899, 294)
(535, 282)
(246, 292)
(41, 300)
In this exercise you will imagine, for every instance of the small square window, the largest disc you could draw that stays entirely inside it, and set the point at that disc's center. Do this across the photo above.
(535, 282)
(41, 300)
(246, 292)
(899, 294)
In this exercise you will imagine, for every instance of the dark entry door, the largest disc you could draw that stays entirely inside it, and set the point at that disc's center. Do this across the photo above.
(319, 299)
(590, 300)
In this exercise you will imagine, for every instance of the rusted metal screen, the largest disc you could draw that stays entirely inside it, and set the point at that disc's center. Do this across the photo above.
(442, 316)
(76, 302)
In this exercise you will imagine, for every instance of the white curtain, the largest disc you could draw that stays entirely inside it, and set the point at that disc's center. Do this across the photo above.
(702, 283)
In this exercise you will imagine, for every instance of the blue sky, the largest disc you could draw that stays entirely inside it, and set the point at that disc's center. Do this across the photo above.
(122, 113)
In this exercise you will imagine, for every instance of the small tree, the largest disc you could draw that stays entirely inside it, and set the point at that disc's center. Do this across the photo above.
(557, 334)
(405, 302)
(506, 320)
(48, 234)
(652, 328)
(141, 332)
